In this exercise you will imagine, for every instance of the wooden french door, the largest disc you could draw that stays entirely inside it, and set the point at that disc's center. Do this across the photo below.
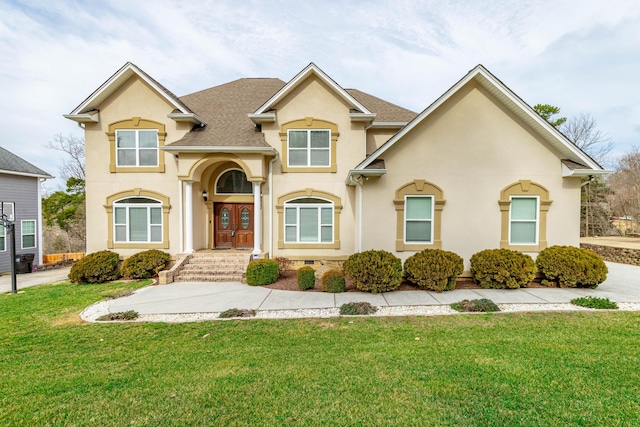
(233, 226)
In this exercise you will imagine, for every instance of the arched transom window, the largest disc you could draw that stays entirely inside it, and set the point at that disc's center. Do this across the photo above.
(233, 181)
(308, 220)
(137, 219)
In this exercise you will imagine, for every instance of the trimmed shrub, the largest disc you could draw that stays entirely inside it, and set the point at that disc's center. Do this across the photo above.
(374, 271)
(595, 302)
(121, 315)
(306, 278)
(571, 267)
(144, 264)
(236, 312)
(475, 306)
(262, 272)
(434, 269)
(357, 308)
(97, 267)
(502, 269)
(333, 281)
(284, 265)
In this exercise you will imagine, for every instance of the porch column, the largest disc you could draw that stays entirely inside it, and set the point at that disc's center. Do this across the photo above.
(188, 217)
(257, 220)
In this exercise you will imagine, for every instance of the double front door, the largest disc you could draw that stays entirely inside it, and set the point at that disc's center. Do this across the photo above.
(233, 226)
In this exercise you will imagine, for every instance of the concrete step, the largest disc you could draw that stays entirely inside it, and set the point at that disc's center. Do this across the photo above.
(210, 278)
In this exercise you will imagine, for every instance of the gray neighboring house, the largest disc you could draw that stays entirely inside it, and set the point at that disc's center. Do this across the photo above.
(20, 192)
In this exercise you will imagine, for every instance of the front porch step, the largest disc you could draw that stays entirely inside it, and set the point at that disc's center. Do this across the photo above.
(214, 267)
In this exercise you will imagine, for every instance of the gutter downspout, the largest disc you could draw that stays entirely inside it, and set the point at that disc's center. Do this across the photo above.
(271, 162)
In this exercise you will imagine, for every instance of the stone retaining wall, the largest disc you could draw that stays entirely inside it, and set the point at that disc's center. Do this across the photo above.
(612, 254)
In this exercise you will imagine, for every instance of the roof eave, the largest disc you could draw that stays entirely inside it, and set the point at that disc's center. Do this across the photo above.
(32, 175)
(566, 172)
(84, 117)
(353, 173)
(187, 118)
(387, 125)
(262, 118)
(362, 117)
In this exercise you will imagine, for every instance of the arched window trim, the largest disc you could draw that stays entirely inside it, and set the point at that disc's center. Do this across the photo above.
(215, 185)
(419, 187)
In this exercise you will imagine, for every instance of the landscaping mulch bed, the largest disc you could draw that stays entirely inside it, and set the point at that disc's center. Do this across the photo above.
(290, 283)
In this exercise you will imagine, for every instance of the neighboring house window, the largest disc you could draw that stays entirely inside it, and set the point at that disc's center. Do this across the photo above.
(308, 220)
(309, 148)
(28, 228)
(418, 219)
(524, 206)
(523, 229)
(8, 210)
(309, 145)
(137, 147)
(3, 240)
(419, 206)
(233, 181)
(137, 219)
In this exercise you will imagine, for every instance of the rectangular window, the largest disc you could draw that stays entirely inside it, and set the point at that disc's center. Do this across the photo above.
(308, 224)
(137, 224)
(137, 147)
(309, 148)
(8, 210)
(28, 228)
(3, 240)
(418, 219)
(523, 221)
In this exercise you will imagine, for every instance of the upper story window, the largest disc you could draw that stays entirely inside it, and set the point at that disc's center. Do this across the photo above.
(7, 209)
(309, 148)
(137, 147)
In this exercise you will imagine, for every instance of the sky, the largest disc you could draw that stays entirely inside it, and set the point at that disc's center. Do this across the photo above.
(580, 55)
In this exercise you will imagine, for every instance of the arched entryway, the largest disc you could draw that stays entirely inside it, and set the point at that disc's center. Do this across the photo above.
(233, 209)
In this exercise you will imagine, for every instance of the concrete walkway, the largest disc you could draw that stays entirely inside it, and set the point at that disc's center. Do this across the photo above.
(622, 286)
(33, 279)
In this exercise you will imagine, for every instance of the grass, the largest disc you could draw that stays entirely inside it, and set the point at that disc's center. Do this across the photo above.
(578, 369)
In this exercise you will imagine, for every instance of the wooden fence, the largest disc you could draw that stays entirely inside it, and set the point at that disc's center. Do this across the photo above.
(56, 258)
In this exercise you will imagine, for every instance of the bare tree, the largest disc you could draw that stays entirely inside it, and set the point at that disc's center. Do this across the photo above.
(73, 165)
(583, 131)
(625, 182)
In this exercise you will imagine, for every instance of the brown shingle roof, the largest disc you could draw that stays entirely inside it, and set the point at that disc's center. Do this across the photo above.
(225, 110)
(386, 111)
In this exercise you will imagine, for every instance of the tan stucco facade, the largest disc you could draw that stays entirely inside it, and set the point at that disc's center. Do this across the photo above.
(471, 148)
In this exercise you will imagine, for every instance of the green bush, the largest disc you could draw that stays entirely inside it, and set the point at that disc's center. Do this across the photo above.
(571, 267)
(434, 269)
(262, 272)
(374, 271)
(475, 306)
(121, 315)
(333, 281)
(284, 265)
(97, 267)
(595, 302)
(502, 269)
(357, 308)
(236, 312)
(144, 264)
(306, 278)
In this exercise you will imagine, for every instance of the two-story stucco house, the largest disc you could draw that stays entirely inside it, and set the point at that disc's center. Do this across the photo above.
(309, 170)
(21, 203)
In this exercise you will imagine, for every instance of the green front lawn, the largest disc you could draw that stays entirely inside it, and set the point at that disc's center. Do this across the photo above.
(466, 370)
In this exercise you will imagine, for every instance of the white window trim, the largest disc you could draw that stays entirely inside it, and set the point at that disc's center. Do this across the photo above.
(308, 149)
(117, 204)
(3, 233)
(431, 220)
(22, 234)
(13, 210)
(215, 186)
(137, 149)
(297, 206)
(537, 220)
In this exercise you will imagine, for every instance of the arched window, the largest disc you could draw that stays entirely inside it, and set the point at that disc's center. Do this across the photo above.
(308, 220)
(233, 181)
(137, 219)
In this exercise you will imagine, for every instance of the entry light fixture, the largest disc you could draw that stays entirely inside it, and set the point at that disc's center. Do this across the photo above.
(205, 196)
